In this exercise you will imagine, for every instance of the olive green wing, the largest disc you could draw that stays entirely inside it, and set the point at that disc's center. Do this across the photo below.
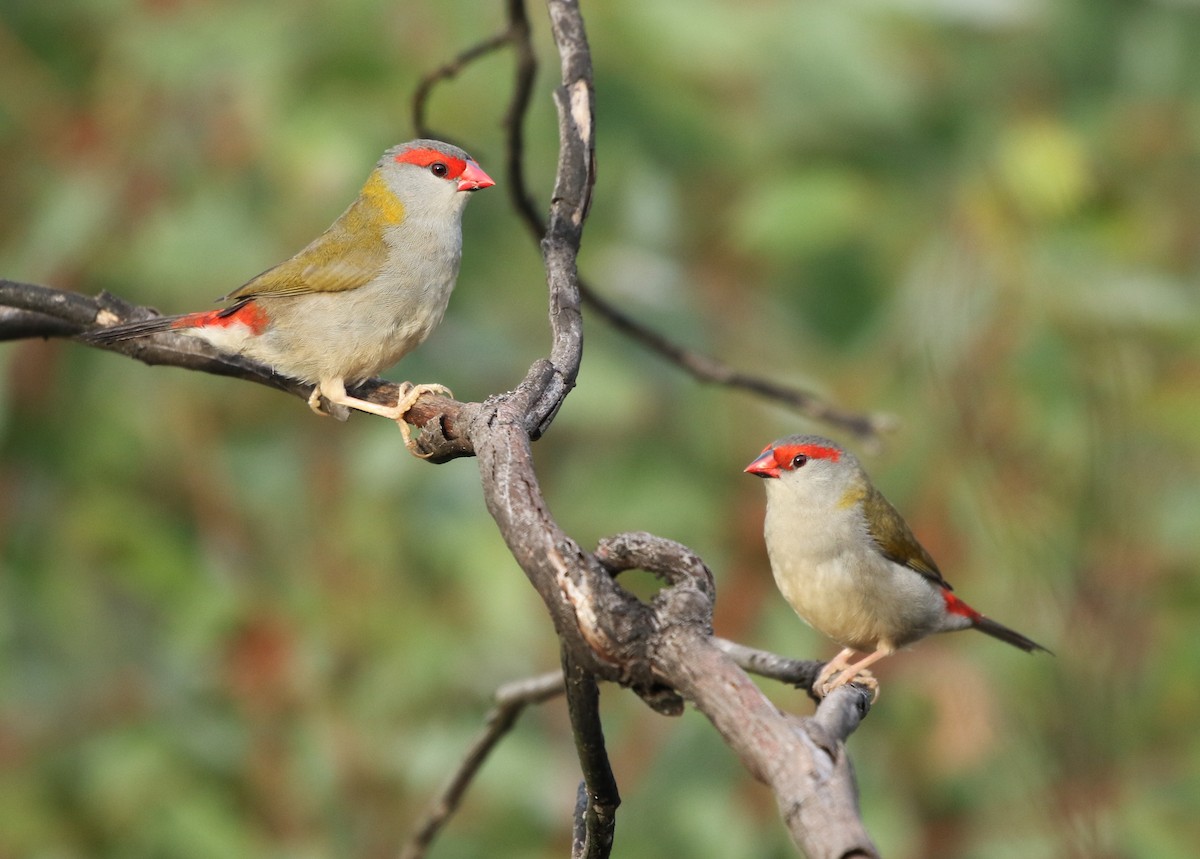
(895, 540)
(346, 256)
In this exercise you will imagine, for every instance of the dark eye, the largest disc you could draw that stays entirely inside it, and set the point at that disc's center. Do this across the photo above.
(437, 168)
(799, 460)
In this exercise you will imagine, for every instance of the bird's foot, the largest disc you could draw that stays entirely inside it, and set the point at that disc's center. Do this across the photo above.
(327, 408)
(409, 394)
(858, 676)
(832, 667)
(330, 398)
(839, 671)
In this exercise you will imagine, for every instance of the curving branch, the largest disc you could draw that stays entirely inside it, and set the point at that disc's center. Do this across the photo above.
(703, 368)
(709, 370)
(598, 797)
(664, 651)
(801, 673)
(802, 760)
(509, 702)
(28, 310)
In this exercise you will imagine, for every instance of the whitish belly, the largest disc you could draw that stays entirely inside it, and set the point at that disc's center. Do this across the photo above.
(864, 606)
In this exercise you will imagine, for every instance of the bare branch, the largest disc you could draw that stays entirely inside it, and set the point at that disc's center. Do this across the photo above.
(29, 310)
(800, 673)
(803, 761)
(25, 324)
(596, 809)
(447, 72)
(703, 368)
(514, 118)
(51, 312)
(663, 651)
(706, 369)
(517, 35)
(70, 307)
(510, 701)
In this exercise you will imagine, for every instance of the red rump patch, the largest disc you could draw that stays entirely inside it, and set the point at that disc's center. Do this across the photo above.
(786, 453)
(425, 157)
(956, 606)
(248, 314)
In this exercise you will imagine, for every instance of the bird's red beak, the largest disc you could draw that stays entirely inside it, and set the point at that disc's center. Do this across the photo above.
(765, 465)
(473, 178)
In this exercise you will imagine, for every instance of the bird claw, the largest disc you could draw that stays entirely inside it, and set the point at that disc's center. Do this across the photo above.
(326, 408)
(409, 394)
(826, 682)
(330, 398)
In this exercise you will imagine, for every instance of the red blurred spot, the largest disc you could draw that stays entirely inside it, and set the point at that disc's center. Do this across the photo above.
(259, 662)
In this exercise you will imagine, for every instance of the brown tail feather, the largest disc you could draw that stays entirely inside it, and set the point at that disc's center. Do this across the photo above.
(133, 330)
(1009, 636)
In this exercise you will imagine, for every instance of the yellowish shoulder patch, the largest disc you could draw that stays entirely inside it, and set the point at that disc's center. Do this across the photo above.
(853, 495)
(383, 201)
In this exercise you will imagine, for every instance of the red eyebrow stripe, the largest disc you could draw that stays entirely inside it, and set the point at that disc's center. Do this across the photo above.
(784, 454)
(425, 157)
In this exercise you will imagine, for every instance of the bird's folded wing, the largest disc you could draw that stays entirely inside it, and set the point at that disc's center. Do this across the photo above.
(344, 257)
(895, 540)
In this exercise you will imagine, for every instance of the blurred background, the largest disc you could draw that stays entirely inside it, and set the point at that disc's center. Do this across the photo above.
(229, 628)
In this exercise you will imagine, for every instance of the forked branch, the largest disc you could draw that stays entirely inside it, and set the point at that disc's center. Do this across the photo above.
(703, 368)
(663, 651)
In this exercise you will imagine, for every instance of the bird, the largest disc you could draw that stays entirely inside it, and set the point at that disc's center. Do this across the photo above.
(848, 563)
(360, 296)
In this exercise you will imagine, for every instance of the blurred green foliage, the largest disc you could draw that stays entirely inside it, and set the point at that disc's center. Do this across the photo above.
(228, 628)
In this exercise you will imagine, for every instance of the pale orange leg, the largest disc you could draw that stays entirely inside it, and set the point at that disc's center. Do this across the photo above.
(334, 410)
(334, 392)
(338, 403)
(856, 673)
(833, 667)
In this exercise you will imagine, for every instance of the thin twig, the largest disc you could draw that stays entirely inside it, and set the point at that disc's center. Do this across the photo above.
(510, 701)
(524, 76)
(31, 310)
(703, 368)
(447, 72)
(796, 672)
(593, 836)
(709, 370)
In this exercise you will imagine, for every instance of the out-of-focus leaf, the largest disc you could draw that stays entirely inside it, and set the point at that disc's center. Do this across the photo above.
(1044, 168)
(788, 216)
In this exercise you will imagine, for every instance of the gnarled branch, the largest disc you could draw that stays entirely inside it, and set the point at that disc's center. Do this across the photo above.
(703, 368)
(664, 650)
